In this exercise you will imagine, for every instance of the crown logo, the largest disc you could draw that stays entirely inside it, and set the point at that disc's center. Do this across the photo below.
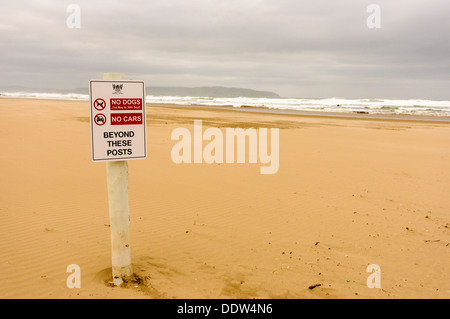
(117, 88)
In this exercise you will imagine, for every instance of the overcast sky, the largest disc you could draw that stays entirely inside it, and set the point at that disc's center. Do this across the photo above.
(296, 48)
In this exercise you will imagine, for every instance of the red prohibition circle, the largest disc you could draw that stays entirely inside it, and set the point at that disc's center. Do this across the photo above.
(100, 119)
(99, 104)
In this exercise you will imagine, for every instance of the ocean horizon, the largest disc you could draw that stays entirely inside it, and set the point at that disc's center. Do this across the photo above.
(332, 104)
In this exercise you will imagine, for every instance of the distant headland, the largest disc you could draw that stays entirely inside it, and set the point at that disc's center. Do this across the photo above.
(204, 91)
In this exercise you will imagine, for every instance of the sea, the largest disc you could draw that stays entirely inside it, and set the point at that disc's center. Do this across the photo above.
(335, 105)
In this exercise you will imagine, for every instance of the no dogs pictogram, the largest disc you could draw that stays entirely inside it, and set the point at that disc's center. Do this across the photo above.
(100, 119)
(99, 104)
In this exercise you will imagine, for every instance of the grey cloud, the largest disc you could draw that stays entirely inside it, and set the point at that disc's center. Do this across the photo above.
(295, 48)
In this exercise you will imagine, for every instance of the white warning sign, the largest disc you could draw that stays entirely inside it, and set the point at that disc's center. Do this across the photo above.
(118, 125)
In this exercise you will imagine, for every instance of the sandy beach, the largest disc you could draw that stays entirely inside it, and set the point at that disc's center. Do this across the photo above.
(349, 192)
